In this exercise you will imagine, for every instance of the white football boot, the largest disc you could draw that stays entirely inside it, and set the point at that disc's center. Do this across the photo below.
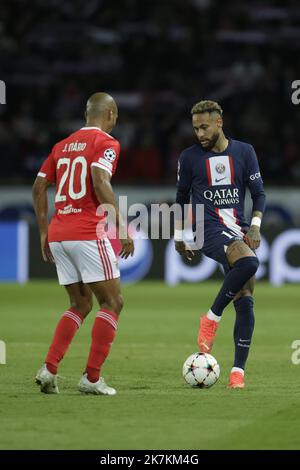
(46, 380)
(97, 388)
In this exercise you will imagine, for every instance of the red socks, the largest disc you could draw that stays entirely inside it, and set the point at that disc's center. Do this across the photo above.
(103, 333)
(64, 333)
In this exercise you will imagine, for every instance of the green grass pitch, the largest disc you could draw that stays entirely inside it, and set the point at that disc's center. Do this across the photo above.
(154, 408)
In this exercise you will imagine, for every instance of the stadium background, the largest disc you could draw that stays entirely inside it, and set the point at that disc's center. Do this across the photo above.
(157, 58)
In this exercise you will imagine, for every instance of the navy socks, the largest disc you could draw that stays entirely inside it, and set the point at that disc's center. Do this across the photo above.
(243, 330)
(235, 279)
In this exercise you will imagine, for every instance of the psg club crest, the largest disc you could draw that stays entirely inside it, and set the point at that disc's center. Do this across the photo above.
(220, 168)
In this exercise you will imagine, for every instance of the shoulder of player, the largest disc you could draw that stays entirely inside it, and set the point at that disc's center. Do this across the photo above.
(244, 146)
(106, 140)
(95, 134)
(61, 144)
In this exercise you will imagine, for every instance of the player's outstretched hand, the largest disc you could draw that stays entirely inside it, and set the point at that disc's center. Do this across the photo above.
(127, 247)
(252, 237)
(46, 252)
(184, 250)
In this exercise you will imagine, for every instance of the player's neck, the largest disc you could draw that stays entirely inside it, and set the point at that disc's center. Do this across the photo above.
(97, 123)
(221, 144)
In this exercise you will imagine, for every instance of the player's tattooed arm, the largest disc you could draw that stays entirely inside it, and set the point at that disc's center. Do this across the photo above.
(184, 250)
(252, 237)
(40, 203)
(105, 195)
(180, 246)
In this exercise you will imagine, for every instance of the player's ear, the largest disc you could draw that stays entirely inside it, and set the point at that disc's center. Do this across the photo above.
(219, 122)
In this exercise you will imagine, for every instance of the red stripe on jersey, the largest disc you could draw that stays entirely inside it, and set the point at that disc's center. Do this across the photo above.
(237, 220)
(103, 261)
(218, 214)
(231, 170)
(208, 171)
(235, 216)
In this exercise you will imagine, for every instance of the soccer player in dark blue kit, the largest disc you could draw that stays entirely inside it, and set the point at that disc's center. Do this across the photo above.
(215, 172)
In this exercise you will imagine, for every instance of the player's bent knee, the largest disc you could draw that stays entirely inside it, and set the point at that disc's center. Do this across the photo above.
(237, 250)
(114, 304)
(249, 264)
(243, 293)
(118, 302)
(83, 307)
(253, 265)
(246, 293)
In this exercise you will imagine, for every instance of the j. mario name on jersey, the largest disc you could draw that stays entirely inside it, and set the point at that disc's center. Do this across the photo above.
(74, 147)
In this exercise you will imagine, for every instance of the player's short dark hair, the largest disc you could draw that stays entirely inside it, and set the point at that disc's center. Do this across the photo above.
(207, 106)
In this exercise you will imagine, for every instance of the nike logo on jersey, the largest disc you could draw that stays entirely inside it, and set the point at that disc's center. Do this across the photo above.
(217, 180)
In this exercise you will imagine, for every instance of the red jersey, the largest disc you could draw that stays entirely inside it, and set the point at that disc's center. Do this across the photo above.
(69, 167)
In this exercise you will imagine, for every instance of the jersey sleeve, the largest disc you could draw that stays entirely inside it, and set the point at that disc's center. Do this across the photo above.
(184, 180)
(254, 181)
(184, 183)
(48, 169)
(107, 155)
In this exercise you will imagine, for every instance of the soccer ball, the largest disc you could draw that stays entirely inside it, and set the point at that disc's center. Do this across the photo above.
(201, 370)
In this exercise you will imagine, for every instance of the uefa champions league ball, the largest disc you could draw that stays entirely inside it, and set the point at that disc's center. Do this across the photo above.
(201, 370)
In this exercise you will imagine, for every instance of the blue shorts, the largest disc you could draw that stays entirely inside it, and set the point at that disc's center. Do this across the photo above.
(216, 243)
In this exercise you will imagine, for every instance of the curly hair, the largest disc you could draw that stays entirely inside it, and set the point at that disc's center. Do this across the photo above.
(207, 106)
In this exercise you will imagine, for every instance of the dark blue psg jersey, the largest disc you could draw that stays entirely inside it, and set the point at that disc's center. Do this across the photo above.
(219, 182)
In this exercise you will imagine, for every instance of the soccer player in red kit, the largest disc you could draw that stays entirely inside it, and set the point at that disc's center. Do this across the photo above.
(81, 167)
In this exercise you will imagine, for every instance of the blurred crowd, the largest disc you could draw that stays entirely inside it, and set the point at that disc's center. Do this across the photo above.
(157, 58)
